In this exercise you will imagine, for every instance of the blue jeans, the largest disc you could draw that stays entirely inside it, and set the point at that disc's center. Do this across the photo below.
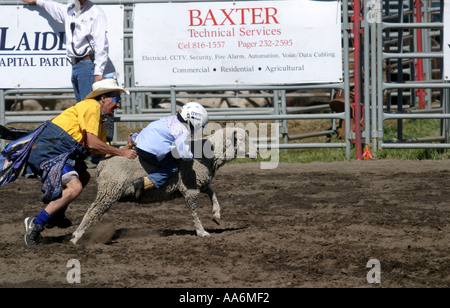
(53, 148)
(165, 168)
(82, 79)
(52, 142)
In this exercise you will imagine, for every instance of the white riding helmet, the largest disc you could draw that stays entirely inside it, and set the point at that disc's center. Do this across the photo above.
(195, 115)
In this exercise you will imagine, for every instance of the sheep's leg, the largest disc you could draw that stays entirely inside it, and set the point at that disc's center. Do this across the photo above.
(215, 204)
(92, 216)
(191, 198)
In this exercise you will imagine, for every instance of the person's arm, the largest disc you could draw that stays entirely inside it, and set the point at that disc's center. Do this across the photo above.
(99, 41)
(55, 9)
(98, 78)
(95, 143)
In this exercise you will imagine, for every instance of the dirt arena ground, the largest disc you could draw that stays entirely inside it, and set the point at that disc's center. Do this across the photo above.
(299, 225)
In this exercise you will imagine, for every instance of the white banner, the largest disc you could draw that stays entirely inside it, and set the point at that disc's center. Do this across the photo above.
(446, 44)
(33, 50)
(232, 43)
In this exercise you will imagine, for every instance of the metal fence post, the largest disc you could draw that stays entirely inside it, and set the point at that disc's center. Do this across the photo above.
(284, 112)
(173, 100)
(346, 37)
(373, 79)
(379, 69)
(357, 76)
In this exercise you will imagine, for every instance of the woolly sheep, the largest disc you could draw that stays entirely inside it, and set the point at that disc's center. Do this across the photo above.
(116, 176)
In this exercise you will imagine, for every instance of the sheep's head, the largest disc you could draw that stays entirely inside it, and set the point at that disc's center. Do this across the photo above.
(231, 143)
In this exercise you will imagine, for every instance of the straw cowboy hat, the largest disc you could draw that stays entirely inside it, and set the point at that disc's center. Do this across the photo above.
(104, 86)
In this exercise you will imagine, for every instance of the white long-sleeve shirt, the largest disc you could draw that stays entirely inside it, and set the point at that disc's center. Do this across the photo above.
(90, 28)
(163, 136)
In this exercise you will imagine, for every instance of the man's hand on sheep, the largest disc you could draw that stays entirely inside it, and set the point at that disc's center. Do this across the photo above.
(94, 143)
(128, 153)
(129, 142)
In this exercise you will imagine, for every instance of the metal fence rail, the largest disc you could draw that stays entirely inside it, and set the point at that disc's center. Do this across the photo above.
(415, 53)
(401, 60)
(136, 108)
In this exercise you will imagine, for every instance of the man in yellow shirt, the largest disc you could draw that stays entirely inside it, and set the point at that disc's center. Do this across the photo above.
(58, 153)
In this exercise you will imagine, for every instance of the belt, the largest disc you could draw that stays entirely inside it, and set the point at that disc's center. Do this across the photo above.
(76, 60)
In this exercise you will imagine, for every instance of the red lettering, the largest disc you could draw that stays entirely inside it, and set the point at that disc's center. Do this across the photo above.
(268, 15)
(210, 16)
(241, 16)
(227, 17)
(254, 15)
(196, 17)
